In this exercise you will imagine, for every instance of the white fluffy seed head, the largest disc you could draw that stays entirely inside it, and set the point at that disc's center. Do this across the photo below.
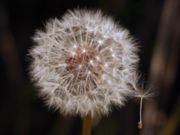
(83, 63)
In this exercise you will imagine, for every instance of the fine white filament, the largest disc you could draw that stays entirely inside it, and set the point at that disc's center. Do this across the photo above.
(83, 63)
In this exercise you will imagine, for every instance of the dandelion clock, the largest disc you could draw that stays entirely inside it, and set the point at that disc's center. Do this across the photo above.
(83, 64)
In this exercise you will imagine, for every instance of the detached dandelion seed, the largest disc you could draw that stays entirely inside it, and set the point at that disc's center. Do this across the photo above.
(82, 63)
(140, 124)
(141, 93)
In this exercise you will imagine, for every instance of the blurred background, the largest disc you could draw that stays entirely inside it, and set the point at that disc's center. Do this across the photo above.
(156, 26)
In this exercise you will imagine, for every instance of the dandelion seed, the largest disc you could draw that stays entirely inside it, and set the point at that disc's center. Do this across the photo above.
(141, 93)
(140, 124)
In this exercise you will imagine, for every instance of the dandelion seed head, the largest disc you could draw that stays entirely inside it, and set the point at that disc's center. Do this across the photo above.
(83, 63)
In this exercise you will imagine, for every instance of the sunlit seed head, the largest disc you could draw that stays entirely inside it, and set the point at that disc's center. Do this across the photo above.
(73, 63)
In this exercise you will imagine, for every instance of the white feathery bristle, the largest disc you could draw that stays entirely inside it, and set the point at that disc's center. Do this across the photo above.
(84, 63)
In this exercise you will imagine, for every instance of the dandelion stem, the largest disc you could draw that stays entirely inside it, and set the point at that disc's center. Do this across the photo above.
(140, 113)
(87, 125)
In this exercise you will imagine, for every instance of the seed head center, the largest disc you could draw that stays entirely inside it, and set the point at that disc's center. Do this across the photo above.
(85, 63)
